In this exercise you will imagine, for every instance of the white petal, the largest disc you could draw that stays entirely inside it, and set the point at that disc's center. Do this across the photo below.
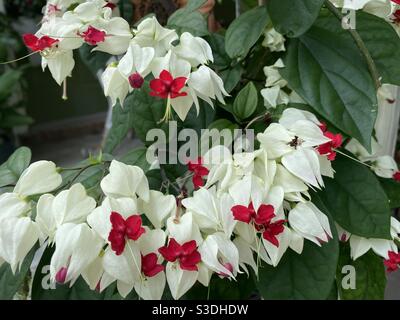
(179, 281)
(151, 288)
(40, 177)
(125, 181)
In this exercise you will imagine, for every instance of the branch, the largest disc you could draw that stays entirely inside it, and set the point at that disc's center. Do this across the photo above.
(360, 44)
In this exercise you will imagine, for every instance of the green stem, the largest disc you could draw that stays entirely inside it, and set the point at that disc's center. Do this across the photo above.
(360, 44)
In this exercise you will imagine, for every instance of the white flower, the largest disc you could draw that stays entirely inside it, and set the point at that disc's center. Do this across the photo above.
(17, 238)
(13, 206)
(136, 60)
(179, 281)
(296, 147)
(194, 49)
(309, 222)
(273, 40)
(206, 85)
(158, 208)
(359, 246)
(220, 255)
(117, 38)
(151, 288)
(273, 94)
(151, 34)
(125, 181)
(77, 246)
(210, 211)
(69, 206)
(99, 219)
(115, 85)
(40, 177)
(184, 228)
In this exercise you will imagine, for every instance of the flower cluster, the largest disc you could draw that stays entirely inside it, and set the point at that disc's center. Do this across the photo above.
(180, 72)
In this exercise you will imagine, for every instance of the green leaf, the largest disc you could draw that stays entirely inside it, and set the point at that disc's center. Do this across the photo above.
(136, 157)
(121, 123)
(10, 118)
(11, 170)
(380, 38)
(193, 5)
(293, 18)
(231, 77)
(146, 112)
(217, 44)
(223, 289)
(221, 124)
(392, 190)
(246, 102)
(356, 200)
(8, 80)
(244, 32)
(369, 273)
(94, 60)
(184, 20)
(10, 283)
(306, 276)
(327, 71)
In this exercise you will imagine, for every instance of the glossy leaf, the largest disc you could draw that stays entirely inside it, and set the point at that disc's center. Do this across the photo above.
(293, 18)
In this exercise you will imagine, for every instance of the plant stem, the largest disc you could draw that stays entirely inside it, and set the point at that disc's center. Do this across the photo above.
(260, 117)
(360, 44)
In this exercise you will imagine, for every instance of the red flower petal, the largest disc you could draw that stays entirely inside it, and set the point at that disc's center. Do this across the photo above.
(30, 41)
(189, 262)
(117, 240)
(241, 213)
(178, 84)
(134, 227)
(197, 181)
(166, 77)
(117, 222)
(189, 247)
(150, 268)
(396, 176)
(172, 251)
(264, 214)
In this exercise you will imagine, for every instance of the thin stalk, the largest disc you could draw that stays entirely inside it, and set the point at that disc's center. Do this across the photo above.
(360, 44)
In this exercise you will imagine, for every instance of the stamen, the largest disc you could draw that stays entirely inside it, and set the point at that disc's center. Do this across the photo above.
(24, 57)
(64, 95)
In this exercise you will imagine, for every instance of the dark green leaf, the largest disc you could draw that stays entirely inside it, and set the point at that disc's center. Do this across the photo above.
(217, 44)
(121, 123)
(136, 157)
(10, 283)
(221, 124)
(8, 80)
(244, 32)
(184, 20)
(327, 71)
(231, 77)
(356, 200)
(146, 112)
(246, 102)
(293, 18)
(14, 166)
(306, 276)
(392, 190)
(380, 38)
(193, 5)
(369, 274)
(10, 118)
(223, 289)
(94, 60)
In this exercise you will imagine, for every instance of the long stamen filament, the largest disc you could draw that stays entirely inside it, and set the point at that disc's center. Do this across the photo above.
(64, 95)
(354, 159)
(21, 58)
